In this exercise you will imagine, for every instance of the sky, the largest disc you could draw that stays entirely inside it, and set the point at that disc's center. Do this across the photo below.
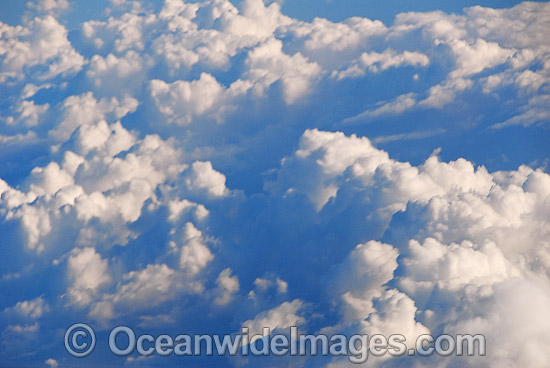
(345, 166)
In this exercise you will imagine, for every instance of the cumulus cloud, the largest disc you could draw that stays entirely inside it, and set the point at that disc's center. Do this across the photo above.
(85, 109)
(204, 177)
(41, 42)
(268, 64)
(182, 164)
(360, 277)
(88, 272)
(283, 316)
(33, 309)
(194, 253)
(227, 285)
(181, 101)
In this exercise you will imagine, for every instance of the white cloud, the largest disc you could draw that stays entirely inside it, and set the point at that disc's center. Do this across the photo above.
(395, 314)
(283, 316)
(255, 19)
(474, 58)
(132, 201)
(43, 42)
(453, 267)
(85, 110)
(48, 5)
(227, 286)
(268, 63)
(29, 113)
(377, 62)
(52, 363)
(359, 279)
(204, 177)
(194, 253)
(25, 329)
(322, 34)
(34, 308)
(88, 272)
(113, 74)
(48, 180)
(180, 102)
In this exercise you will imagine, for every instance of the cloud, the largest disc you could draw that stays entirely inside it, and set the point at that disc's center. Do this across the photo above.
(31, 309)
(88, 272)
(42, 42)
(268, 63)
(535, 112)
(227, 285)
(181, 101)
(48, 5)
(24, 329)
(359, 279)
(78, 110)
(377, 62)
(52, 363)
(204, 177)
(110, 72)
(395, 107)
(283, 316)
(194, 253)
(207, 165)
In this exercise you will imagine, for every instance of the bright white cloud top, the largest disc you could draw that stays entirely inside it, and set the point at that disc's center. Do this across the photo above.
(199, 167)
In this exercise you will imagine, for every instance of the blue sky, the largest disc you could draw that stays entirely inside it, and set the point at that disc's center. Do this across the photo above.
(345, 166)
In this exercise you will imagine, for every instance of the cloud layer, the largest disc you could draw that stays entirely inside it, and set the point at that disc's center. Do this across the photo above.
(202, 167)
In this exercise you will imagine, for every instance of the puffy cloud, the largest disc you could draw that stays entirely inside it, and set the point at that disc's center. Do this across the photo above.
(359, 279)
(127, 30)
(28, 113)
(262, 284)
(227, 285)
(181, 101)
(473, 58)
(323, 39)
(34, 308)
(85, 110)
(204, 177)
(255, 19)
(88, 272)
(395, 314)
(113, 74)
(99, 185)
(194, 253)
(177, 208)
(504, 319)
(453, 267)
(283, 316)
(191, 169)
(151, 283)
(268, 63)
(43, 42)
(48, 180)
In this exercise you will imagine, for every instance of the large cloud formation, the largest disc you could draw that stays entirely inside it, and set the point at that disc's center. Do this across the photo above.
(200, 167)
